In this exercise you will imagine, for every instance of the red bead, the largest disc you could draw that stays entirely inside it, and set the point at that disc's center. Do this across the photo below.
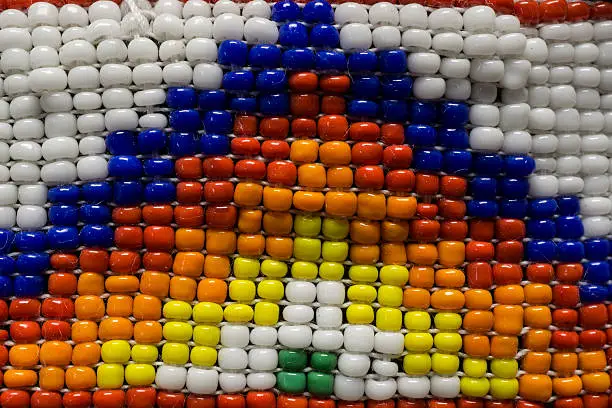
(540, 273)
(424, 230)
(452, 209)
(170, 399)
(427, 184)
(380, 404)
(593, 316)
(4, 311)
(406, 403)
(508, 229)
(67, 262)
(502, 6)
(245, 125)
(527, 11)
(77, 399)
(507, 274)
(592, 339)
(274, 128)
(565, 318)
(246, 146)
(15, 399)
(304, 104)
(218, 167)
(141, 397)
(188, 168)
(575, 402)
(157, 214)
(528, 404)
(282, 172)
(569, 273)
(275, 149)
(3, 355)
(553, 11)
(349, 404)
(291, 401)
(369, 177)
(509, 251)
(577, 11)
(364, 132)
(392, 134)
(482, 230)
(250, 169)
(46, 399)
(62, 283)
(157, 261)
(200, 401)
(400, 180)
(479, 251)
(566, 295)
(128, 237)
(470, 403)
(56, 330)
(601, 10)
(189, 192)
(595, 400)
(221, 216)
(25, 332)
(364, 153)
(109, 398)
(397, 156)
(260, 399)
(24, 309)
(189, 215)
(231, 401)
(453, 230)
(427, 210)
(218, 192)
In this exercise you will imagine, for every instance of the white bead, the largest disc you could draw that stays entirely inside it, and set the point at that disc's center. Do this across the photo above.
(201, 50)
(513, 117)
(359, 338)
(200, 27)
(602, 31)
(25, 106)
(567, 120)
(484, 115)
(115, 75)
(507, 23)
(26, 151)
(232, 382)
(458, 89)
(177, 74)
(91, 145)
(541, 119)
(196, 8)
(488, 139)
(295, 336)
(100, 30)
(445, 387)
(606, 101)
(72, 15)
(423, 62)
(14, 37)
(350, 12)
(458, 68)
(13, 18)
(595, 206)
(60, 148)
(300, 292)
(173, 7)
(83, 77)
(562, 97)
(42, 14)
(594, 164)
(596, 185)
(171, 50)
(561, 75)
(225, 6)
(379, 390)
(300, 314)
(517, 142)
(263, 336)
(28, 129)
(596, 226)
(386, 37)
(536, 50)
(581, 32)
(413, 15)
(605, 54)
(256, 8)
(40, 56)
(416, 39)
(263, 359)
(328, 340)
(484, 93)
(207, 76)
(35, 194)
(4, 174)
(543, 186)
(141, 50)
(512, 96)
(385, 368)
(353, 365)
(384, 13)
(568, 144)
(60, 172)
(48, 79)
(87, 101)
(167, 27)
(480, 45)
(234, 336)
(6, 131)
(5, 110)
(605, 84)
(147, 75)
(516, 74)
(201, 381)
(8, 194)
(591, 121)
(568, 165)
(60, 124)
(77, 52)
(539, 75)
(511, 45)
(428, 87)
(355, 37)
(413, 387)
(231, 358)
(4, 153)
(15, 61)
(486, 70)
(104, 9)
(479, 19)
(560, 53)
(111, 50)
(585, 53)
(25, 172)
(594, 143)
(447, 43)
(259, 30)
(388, 343)
(349, 389)
(150, 97)
(120, 119)
(46, 36)
(171, 378)
(73, 33)
(555, 32)
(445, 19)
(31, 217)
(260, 381)
(228, 27)
(7, 216)
(91, 168)
(330, 292)
(545, 165)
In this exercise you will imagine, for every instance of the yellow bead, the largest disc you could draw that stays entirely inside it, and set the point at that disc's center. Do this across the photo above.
(502, 388)
(110, 376)
(504, 368)
(331, 271)
(207, 312)
(417, 364)
(203, 356)
(116, 351)
(474, 387)
(390, 296)
(447, 321)
(396, 275)
(175, 353)
(206, 335)
(359, 314)
(273, 269)
(266, 314)
(304, 270)
(306, 249)
(177, 310)
(177, 331)
(448, 342)
(363, 273)
(271, 289)
(444, 364)
(139, 375)
(418, 342)
(418, 321)
(474, 367)
(361, 293)
(242, 290)
(335, 251)
(245, 268)
(142, 353)
(389, 319)
(238, 313)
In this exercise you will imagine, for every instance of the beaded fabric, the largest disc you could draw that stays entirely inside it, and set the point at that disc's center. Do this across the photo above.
(259, 205)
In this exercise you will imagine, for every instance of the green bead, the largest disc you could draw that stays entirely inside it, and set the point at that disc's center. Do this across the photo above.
(307, 249)
(292, 360)
(294, 383)
(307, 225)
(335, 228)
(320, 383)
(323, 361)
(335, 251)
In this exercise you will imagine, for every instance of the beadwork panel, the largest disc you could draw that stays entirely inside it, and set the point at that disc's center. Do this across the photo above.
(259, 205)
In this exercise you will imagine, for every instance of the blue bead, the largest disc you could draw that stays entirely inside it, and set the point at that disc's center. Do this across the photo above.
(7, 265)
(487, 164)
(293, 35)
(160, 192)
(127, 192)
(126, 167)
(271, 81)
(482, 208)
(63, 238)
(542, 208)
(514, 187)
(232, 52)
(483, 188)
(96, 192)
(593, 293)
(210, 100)
(63, 194)
(265, 56)
(569, 227)
(95, 214)
(30, 241)
(596, 272)
(158, 167)
(325, 36)
(121, 142)
(457, 162)
(455, 138)
(151, 141)
(185, 120)
(541, 229)
(396, 87)
(454, 114)
(238, 81)
(363, 61)
(394, 111)
(393, 61)
(181, 98)
(569, 205)
(427, 160)
(183, 144)
(96, 236)
(285, 10)
(519, 166)
(541, 251)
(218, 121)
(318, 11)
(34, 263)
(570, 251)
(6, 286)
(214, 145)
(513, 208)
(298, 59)
(365, 87)
(422, 113)
(330, 61)
(362, 108)
(28, 286)
(596, 249)
(7, 237)
(61, 214)
(420, 135)
(274, 104)
(243, 104)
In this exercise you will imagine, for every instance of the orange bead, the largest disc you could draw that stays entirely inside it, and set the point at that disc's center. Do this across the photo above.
(147, 332)
(416, 298)
(508, 319)
(80, 378)
(119, 306)
(371, 206)
(89, 308)
(504, 346)
(55, 353)
(20, 378)
(115, 328)
(183, 288)
(249, 221)
(478, 321)
(342, 204)
(449, 278)
(248, 194)
(401, 207)
(535, 387)
(536, 362)
(478, 299)
(189, 239)
(537, 340)
(447, 299)
(309, 201)
(538, 294)
(304, 151)
(251, 245)
(567, 386)
(395, 230)
(364, 254)
(84, 331)
(147, 307)
(122, 284)
(90, 283)
(393, 253)
(24, 355)
(538, 317)
(154, 283)
(51, 378)
(592, 360)
(422, 254)
(279, 247)
(421, 276)
(335, 153)
(216, 266)
(277, 223)
(476, 345)
(592, 382)
(364, 231)
(220, 242)
(188, 264)
(277, 198)
(451, 253)
(564, 363)
(312, 175)
(339, 177)
(509, 295)
(212, 290)
(86, 354)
